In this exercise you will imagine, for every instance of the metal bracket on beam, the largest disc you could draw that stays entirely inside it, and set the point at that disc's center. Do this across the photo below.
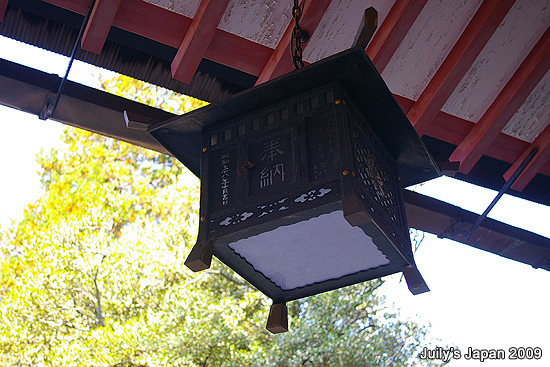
(452, 231)
(50, 104)
(137, 122)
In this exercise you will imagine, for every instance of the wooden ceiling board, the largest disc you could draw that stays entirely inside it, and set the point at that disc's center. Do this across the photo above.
(428, 42)
(534, 114)
(339, 26)
(261, 21)
(249, 31)
(391, 32)
(471, 42)
(505, 51)
(183, 7)
(513, 95)
(307, 21)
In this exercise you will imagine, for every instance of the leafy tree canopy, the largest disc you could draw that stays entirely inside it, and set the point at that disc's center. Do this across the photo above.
(93, 275)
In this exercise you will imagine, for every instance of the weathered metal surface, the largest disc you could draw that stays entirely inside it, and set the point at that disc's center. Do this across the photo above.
(298, 158)
(354, 70)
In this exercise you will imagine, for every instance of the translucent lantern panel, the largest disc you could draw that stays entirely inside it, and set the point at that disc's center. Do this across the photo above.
(321, 248)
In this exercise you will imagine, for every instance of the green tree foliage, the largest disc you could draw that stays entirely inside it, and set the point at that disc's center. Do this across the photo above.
(93, 275)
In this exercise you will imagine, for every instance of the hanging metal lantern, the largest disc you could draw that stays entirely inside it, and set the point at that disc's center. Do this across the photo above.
(301, 181)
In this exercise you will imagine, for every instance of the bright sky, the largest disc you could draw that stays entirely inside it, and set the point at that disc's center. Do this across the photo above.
(477, 299)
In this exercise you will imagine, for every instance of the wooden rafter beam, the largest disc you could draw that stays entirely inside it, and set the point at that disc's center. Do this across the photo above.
(388, 37)
(453, 129)
(542, 142)
(522, 83)
(3, 6)
(238, 53)
(196, 40)
(99, 24)
(479, 30)
(310, 20)
(77, 6)
(151, 21)
(169, 28)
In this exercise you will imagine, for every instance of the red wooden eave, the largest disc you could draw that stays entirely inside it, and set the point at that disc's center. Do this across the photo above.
(3, 6)
(388, 37)
(170, 28)
(99, 24)
(522, 83)
(479, 30)
(196, 40)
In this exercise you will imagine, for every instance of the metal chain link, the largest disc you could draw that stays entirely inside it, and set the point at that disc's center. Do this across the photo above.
(296, 43)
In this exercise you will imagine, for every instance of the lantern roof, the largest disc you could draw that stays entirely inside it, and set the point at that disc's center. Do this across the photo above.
(181, 135)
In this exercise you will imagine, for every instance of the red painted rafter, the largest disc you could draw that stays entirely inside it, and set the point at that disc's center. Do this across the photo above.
(388, 37)
(151, 21)
(99, 24)
(196, 40)
(522, 83)
(311, 17)
(542, 142)
(167, 27)
(77, 6)
(3, 6)
(237, 52)
(480, 29)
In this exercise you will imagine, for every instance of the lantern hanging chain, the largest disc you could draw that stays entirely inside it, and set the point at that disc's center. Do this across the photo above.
(296, 43)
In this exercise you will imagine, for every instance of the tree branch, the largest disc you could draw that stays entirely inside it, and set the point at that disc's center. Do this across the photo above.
(98, 310)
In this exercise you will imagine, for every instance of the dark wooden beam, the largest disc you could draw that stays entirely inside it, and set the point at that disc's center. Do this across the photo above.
(99, 24)
(446, 221)
(522, 83)
(77, 6)
(26, 89)
(479, 30)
